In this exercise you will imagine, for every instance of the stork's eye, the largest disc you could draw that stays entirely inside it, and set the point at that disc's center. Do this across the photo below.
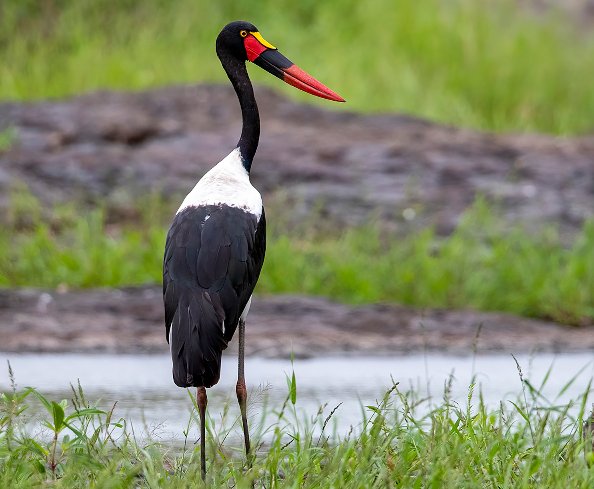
(243, 33)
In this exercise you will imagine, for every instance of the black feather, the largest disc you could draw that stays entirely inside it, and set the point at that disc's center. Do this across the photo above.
(213, 257)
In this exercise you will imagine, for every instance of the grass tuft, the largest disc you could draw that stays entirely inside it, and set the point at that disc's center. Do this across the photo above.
(400, 442)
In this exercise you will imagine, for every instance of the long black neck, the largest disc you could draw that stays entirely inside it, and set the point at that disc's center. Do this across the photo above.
(250, 132)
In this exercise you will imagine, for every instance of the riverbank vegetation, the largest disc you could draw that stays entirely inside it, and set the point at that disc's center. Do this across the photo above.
(402, 441)
(502, 65)
(481, 265)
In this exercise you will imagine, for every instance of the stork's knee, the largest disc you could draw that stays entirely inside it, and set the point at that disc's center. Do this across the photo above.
(201, 397)
(241, 391)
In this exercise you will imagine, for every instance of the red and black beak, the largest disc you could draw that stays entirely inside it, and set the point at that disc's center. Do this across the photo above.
(266, 56)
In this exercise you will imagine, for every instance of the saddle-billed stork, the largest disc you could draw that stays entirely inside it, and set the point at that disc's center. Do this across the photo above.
(216, 243)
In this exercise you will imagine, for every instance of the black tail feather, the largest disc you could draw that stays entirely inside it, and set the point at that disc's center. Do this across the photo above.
(197, 340)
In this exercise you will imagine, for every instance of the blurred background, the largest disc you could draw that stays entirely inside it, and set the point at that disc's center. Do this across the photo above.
(443, 214)
(504, 65)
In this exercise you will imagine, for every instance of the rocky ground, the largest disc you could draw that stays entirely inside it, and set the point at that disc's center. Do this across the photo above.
(403, 170)
(117, 147)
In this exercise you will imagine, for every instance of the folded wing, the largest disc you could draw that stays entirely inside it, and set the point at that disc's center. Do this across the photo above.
(213, 257)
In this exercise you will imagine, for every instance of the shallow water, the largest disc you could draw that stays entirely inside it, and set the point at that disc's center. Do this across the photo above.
(146, 395)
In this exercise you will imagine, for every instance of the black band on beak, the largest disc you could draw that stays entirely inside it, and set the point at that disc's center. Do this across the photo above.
(273, 62)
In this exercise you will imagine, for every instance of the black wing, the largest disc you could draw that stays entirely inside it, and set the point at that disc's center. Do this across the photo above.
(213, 258)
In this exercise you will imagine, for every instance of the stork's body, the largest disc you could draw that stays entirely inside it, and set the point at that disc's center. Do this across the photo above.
(213, 257)
(216, 244)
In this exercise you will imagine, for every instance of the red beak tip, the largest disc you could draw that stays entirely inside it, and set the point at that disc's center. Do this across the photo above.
(295, 76)
(336, 98)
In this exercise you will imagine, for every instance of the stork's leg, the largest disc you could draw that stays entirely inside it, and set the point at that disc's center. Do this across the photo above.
(202, 401)
(241, 389)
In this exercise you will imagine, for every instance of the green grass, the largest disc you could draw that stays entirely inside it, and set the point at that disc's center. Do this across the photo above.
(479, 266)
(490, 65)
(400, 442)
(7, 138)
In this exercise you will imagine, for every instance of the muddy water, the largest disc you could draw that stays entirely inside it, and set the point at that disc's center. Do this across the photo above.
(145, 393)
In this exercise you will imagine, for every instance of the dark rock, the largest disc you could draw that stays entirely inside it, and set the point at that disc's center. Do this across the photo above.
(131, 320)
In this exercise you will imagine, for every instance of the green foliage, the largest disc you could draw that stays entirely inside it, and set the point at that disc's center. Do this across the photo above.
(7, 138)
(402, 441)
(491, 65)
(479, 266)
(78, 248)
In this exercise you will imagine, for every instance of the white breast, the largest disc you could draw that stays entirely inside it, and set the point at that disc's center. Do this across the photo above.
(227, 183)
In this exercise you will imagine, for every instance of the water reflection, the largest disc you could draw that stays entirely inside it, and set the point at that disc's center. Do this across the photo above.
(142, 385)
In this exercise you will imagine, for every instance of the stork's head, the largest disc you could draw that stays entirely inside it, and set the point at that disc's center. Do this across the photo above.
(243, 41)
